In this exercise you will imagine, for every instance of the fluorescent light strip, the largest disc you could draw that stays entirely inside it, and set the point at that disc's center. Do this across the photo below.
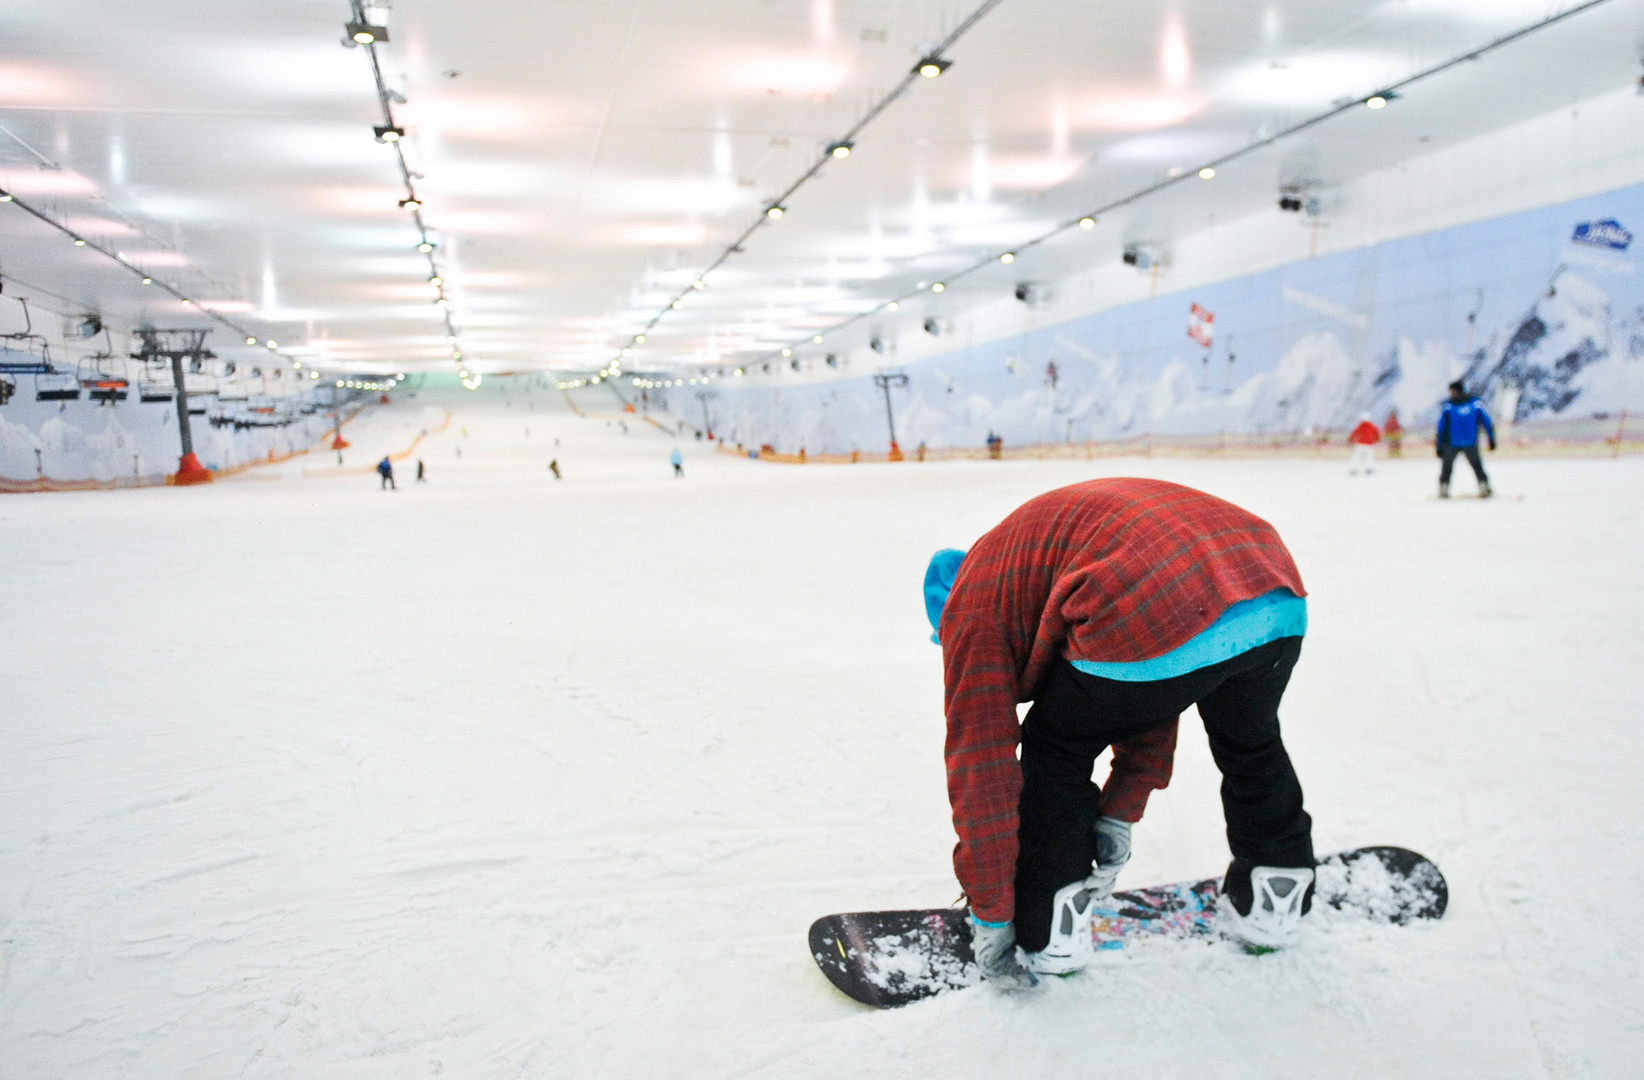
(776, 208)
(1386, 95)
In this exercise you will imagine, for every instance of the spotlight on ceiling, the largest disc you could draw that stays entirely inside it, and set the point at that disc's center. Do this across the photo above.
(841, 149)
(79, 242)
(5, 196)
(1087, 223)
(1008, 257)
(388, 134)
(699, 284)
(787, 352)
(251, 341)
(1379, 101)
(413, 204)
(774, 212)
(932, 66)
(1207, 173)
(272, 344)
(817, 338)
(677, 304)
(639, 339)
(425, 247)
(366, 34)
(436, 281)
(148, 281)
(1032, 293)
(893, 306)
(939, 287)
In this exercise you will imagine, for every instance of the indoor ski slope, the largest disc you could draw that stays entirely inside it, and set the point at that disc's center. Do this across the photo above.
(504, 776)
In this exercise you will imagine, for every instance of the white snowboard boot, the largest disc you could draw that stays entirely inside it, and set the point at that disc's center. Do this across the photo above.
(1070, 947)
(1263, 907)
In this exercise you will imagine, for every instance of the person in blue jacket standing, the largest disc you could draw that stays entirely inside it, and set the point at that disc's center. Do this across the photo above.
(677, 462)
(1458, 426)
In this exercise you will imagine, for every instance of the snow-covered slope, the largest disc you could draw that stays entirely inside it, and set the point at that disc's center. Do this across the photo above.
(504, 776)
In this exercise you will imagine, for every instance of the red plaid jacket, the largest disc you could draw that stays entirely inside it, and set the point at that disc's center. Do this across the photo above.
(1109, 570)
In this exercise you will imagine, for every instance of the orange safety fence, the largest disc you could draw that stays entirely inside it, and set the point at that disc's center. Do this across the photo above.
(277, 459)
(46, 483)
(396, 455)
(1599, 436)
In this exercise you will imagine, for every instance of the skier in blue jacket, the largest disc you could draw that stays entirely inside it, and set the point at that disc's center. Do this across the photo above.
(1458, 426)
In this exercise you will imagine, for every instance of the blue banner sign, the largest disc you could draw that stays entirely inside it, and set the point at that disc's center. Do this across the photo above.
(1605, 234)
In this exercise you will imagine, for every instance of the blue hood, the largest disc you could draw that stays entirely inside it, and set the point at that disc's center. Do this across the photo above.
(939, 575)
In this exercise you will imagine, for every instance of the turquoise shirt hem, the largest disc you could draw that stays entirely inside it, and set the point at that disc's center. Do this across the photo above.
(1242, 627)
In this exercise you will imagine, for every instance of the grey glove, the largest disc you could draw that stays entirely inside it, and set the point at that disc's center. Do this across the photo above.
(1112, 852)
(995, 947)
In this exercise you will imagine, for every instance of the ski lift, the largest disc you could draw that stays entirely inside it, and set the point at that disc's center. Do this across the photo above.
(56, 386)
(156, 382)
(34, 358)
(103, 376)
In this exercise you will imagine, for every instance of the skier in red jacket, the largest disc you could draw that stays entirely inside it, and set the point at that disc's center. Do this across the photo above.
(1394, 432)
(1113, 605)
(1364, 439)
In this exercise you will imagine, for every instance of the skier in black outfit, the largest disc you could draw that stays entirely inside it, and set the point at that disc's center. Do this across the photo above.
(1458, 426)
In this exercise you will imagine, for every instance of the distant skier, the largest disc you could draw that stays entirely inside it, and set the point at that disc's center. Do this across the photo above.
(1395, 434)
(1364, 439)
(385, 469)
(553, 467)
(1113, 605)
(1458, 426)
(678, 463)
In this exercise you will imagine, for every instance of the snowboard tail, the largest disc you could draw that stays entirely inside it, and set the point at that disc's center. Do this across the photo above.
(892, 958)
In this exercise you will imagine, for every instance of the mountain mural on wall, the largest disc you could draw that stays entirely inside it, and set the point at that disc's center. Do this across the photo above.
(1540, 313)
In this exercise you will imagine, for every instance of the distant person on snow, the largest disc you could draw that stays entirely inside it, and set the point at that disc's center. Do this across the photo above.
(1458, 426)
(1395, 434)
(420, 477)
(1364, 439)
(1113, 605)
(385, 469)
(553, 467)
(677, 462)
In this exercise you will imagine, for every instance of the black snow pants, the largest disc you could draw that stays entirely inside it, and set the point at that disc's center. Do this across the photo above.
(1447, 454)
(1076, 716)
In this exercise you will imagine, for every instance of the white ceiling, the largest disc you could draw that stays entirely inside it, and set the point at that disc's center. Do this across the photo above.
(583, 161)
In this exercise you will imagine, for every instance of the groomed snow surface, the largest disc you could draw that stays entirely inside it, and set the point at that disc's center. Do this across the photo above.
(504, 776)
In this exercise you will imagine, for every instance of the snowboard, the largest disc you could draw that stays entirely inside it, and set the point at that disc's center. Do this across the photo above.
(891, 958)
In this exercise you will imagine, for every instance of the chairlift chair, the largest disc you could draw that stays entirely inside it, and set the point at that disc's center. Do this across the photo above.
(7, 389)
(101, 373)
(56, 386)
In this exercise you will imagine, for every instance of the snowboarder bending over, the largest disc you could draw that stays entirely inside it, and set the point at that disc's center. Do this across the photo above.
(385, 469)
(1113, 605)
(677, 462)
(1364, 439)
(1458, 426)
